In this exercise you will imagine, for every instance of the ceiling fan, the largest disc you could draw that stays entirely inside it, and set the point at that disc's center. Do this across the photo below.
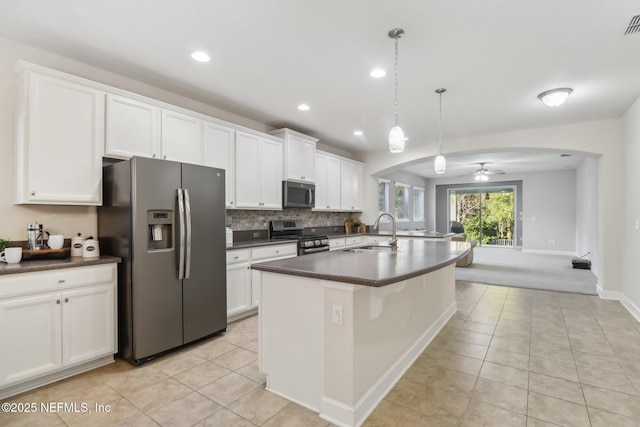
(482, 174)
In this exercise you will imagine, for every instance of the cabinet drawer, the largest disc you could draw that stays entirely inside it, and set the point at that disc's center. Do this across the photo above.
(274, 251)
(27, 283)
(238, 256)
(336, 243)
(353, 241)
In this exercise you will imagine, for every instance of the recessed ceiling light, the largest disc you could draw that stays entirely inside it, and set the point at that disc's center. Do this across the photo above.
(378, 73)
(303, 107)
(200, 56)
(357, 132)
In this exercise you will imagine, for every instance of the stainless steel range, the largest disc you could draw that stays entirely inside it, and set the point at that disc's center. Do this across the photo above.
(293, 230)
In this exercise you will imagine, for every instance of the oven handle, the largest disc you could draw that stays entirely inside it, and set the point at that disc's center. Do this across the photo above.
(314, 250)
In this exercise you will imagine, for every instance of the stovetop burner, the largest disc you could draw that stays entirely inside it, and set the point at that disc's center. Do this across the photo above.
(292, 230)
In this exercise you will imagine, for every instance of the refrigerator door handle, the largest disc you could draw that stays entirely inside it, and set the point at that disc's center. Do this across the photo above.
(182, 234)
(187, 208)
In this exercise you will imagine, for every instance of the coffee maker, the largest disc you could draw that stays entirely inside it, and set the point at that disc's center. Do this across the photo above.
(35, 238)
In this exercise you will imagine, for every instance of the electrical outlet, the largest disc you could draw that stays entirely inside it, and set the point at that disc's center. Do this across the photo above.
(256, 235)
(313, 230)
(337, 315)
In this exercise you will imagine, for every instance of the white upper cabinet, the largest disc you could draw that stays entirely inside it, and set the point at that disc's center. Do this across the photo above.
(181, 137)
(327, 182)
(219, 152)
(136, 128)
(132, 128)
(60, 135)
(299, 155)
(351, 185)
(259, 172)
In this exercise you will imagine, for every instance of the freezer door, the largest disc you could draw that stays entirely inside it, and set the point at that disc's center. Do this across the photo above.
(205, 286)
(156, 290)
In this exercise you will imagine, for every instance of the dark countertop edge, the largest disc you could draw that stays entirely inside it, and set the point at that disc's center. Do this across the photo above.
(247, 244)
(357, 280)
(31, 266)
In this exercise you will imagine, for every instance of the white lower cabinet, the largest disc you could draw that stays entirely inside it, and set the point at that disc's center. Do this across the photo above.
(54, 324)
(351, 241)
(238, 282)
(243, 285)
(336, 243)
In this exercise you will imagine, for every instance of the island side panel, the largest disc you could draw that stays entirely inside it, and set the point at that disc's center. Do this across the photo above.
(291, 346)
(383, 332)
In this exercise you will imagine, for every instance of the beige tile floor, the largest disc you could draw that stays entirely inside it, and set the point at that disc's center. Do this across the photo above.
(509, 357)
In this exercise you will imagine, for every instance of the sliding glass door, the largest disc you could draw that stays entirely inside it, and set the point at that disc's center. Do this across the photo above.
(485, 214)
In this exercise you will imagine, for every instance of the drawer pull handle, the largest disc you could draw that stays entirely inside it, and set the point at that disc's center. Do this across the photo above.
(236, 257)
(277, 252)
(57, 301)
(61, 281)
(66, 300)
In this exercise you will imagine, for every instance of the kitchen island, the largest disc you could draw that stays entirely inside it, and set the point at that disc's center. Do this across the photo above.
(338, 329)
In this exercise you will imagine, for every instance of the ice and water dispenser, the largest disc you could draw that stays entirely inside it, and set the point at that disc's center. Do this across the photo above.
(160, 224)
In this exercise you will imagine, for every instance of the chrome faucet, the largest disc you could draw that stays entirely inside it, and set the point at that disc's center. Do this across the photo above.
(394, 239)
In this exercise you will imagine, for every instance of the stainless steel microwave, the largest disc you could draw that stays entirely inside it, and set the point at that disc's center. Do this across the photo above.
(298, 195)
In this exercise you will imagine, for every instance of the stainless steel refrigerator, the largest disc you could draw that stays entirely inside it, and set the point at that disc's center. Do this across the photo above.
(167, 222)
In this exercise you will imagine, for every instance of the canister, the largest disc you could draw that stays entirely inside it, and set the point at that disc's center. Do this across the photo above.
(76, 245)
(90, 249)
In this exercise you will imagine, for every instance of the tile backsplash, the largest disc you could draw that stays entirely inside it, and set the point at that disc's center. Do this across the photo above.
(240, 220)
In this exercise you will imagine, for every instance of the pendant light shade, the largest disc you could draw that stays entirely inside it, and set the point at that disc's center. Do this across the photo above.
(396, 139)
(396, 135)
(440, 164)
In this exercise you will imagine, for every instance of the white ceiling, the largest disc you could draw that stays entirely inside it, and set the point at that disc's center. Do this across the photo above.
(493, 56)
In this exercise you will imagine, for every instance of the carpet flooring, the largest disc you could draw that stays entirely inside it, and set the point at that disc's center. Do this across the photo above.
(512, 267)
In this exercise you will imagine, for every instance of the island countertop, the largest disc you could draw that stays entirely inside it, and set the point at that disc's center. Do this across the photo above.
(372, 268)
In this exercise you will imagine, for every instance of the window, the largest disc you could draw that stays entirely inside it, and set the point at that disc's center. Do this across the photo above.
(402, 194)
(418, 204)
(383, 196)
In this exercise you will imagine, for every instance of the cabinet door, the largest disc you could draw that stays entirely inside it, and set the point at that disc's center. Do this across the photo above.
(307, 156)
(333, 183)
(30, 334)
(132, 128)
(238, 289)
(62, 143)
(219, 144)
(247, 174)
(321, 183)
(181, 137)
(351, 174)
(271, 174)
(88, 323)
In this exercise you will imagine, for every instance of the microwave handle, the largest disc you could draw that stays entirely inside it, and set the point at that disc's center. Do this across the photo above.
(310, 196)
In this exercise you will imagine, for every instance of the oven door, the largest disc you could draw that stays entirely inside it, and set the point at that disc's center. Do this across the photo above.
(298, 195)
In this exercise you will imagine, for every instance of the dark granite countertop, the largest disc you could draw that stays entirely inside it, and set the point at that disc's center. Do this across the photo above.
(29, 266)
(412, 258)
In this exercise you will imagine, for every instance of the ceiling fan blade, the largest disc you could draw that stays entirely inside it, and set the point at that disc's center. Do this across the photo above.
(495, 172)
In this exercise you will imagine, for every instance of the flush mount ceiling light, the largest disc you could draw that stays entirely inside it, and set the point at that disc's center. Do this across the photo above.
(555, 97)
(378, 73)
(303, 107)
(357, 132)
(200, 56)
(396, 135)
(440, 164)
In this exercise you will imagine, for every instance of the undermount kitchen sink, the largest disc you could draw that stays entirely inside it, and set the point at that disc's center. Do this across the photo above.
(373, 248)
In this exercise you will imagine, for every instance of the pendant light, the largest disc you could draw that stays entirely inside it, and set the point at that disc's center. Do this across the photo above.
(440, 164)
(396, 135)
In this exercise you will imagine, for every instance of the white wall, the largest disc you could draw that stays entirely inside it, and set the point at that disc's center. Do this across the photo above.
(630, 280)
(549, 211)
(601, 139)
(587, 209)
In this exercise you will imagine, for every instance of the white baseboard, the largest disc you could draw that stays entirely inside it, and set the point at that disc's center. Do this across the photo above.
(624, 300)
(547, 252)
(346, 416)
